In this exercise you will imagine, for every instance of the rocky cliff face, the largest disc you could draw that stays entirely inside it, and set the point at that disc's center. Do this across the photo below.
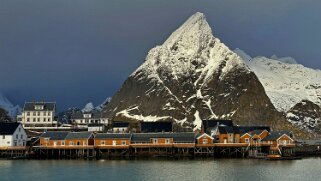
(306, 115)
(194, 76)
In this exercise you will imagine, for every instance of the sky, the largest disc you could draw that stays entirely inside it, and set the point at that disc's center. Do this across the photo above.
(79, 51)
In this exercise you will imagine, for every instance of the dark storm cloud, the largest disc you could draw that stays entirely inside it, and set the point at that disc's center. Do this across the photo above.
(74, 51)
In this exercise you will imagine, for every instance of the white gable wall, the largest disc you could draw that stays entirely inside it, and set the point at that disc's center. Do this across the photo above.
(18, 138)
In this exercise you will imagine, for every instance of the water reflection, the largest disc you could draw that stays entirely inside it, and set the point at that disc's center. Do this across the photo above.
(161, 169)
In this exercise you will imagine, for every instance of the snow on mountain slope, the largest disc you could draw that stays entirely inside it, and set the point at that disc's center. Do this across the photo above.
(286, 82)
(8, 106)
(193, 76)
(192, 47)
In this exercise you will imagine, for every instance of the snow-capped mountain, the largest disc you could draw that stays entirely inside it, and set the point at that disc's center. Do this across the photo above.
(291, 87)
(193, 76)
(90, 106)
(9, 107)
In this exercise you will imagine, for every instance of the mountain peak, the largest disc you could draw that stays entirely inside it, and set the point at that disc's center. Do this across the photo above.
(195, 29)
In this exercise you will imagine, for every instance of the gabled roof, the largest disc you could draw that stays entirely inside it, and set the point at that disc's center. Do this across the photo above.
(212, 123)
(55, 135)
(246, 134)
(78, 135)
(198, 136)
(258, 132)
(120, 124)
(47, 106)
(113, 136)
(8, 128)
(151, 127)
(275, 135)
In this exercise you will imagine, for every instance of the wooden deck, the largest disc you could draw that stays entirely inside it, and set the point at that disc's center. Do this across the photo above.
(14, 148)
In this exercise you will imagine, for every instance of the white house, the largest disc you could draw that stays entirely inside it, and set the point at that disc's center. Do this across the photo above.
(12, 134)
(38, 114)
(96, 127)
(120, 127)
(86, 118)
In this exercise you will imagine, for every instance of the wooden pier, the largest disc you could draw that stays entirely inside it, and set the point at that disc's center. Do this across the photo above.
(14, 152)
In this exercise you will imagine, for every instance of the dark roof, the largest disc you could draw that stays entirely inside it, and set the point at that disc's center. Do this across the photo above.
(55, 135)
(184, 137)
(177, 137)
(113, 135)
(229, 130)
(247, 129)
(78, 135)
(120, 124)
(145, 137)
(95, 125)
(30, 106)
(212, 123)
(274, 135)
(8, 128)
(257, 131)
(80, 115)
(150, 127)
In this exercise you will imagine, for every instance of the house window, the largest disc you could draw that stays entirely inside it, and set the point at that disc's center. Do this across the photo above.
(247, 140)
(44, 119)
(84, 143)
(205, 141)
(167, 141)
(28, 113)
(19, 129)
(38, 113)
(63, 143)
(155, 141)
(102, 143)
(48, 113)
(71, 143)
(3, 136)
(38, 119)
(34, 120)
(44, 113)
(28, 119)
(34, 113)
(21, 136)
(17, 136)
(123, 142)
(48, 119)
(78, 142)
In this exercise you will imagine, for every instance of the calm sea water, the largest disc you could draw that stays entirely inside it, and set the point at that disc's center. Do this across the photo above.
(222, 169)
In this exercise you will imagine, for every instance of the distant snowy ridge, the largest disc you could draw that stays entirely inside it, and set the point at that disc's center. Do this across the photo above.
(90, 106)
(286, 82)
(9, 107)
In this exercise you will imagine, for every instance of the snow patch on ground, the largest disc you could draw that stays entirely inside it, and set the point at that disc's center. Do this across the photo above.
(197, 121)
